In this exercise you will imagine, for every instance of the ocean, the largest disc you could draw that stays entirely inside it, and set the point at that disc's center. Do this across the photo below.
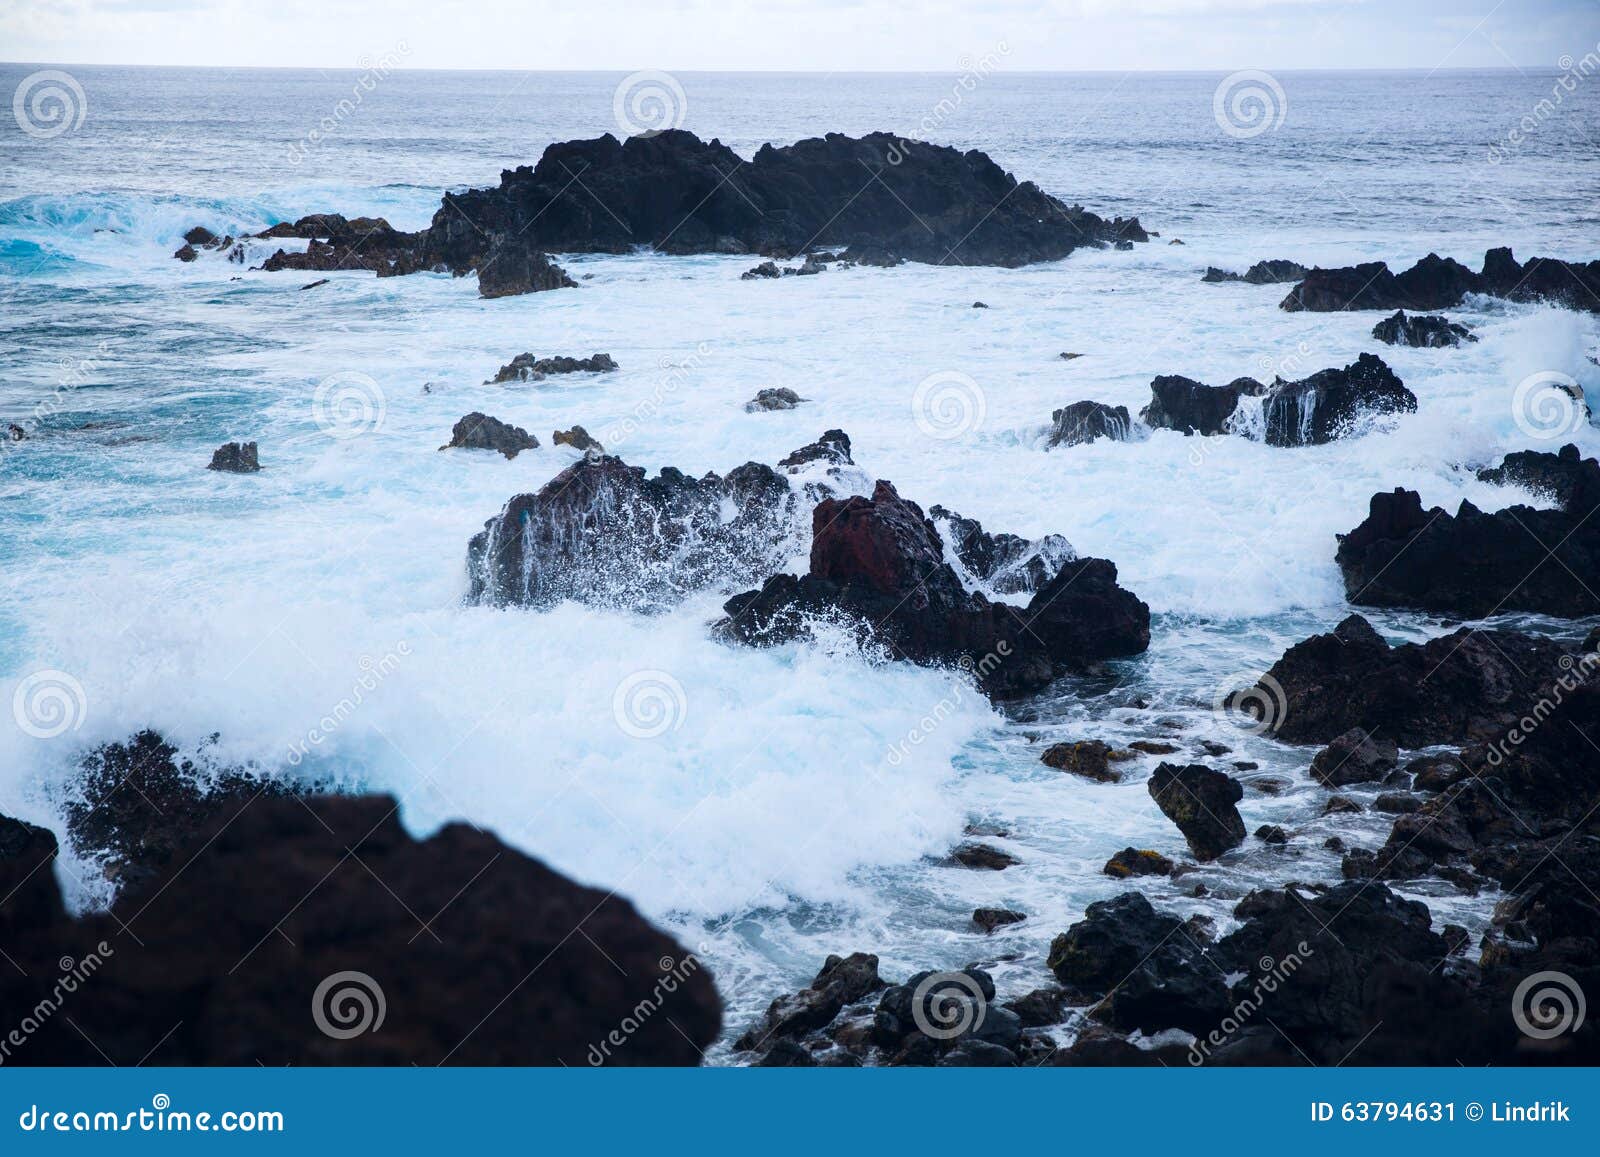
(770, 807)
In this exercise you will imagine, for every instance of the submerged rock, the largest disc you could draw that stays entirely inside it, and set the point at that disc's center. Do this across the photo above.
(527, 368)
(1086, 421)
(287, 933)
(780, 398)
(235, 458)
(1091, 759)
(478, 431)
(1422, 331)
(1261, 273)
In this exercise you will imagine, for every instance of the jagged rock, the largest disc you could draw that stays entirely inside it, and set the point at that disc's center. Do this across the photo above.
(1324, 406)
(983, 857)
(843, 980)
(1261, 273)
(833, 448)
(527, 368)
(29, 897)
(579, 439)
(235, 458)
(1086, 421)
(200, 235)
(293, 914)
(1090, 759)
(512, 268)
(1272, 834)
(1202, 803)
(1449, 689)
(1566, 478)
(1005, 563)
(603, 533)
(1422, 331)
(1137, 862)
(1191, 407)
(1152, 747)
(478, 431)
(1354, 757)
(989, 919)
(781, 398)
(1474, 564)
(767, 269)
(1440, 283)
(672, 191)
(368, 243)
(186, 253)
(879, 563)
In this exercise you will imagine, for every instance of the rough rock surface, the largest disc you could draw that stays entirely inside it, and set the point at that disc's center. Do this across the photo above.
(879, 563)
(1272, 272)
(1086, 421)
(579, 439)
(1475, 564)
(1203, 804)
(1423, 331)
(1441, 283)
(527, 368)
(235, 458)
(1447, 690)
(778, 398)
(266, 916)
(479, 431)
(1005, 563)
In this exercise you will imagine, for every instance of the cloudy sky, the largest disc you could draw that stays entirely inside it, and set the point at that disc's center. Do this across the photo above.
(828, 35)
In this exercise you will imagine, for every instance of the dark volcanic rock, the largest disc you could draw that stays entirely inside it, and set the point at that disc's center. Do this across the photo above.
(1422, 331)
(480, 432)
(1147, 967)
(1565, 478)
(833, 448)
(679, 194)
(228, 970)
(1473, 564)
(991, 918)
(1439, 283)
(1354, 757)
(578, 438)
(601, 532)
(1324, 406)
(781, 398)
(527, 368)
(235, 458)
(878, 562)
(369, 243)
(1202, 803)
(1137, 862)
(842, 980)
(1005, 563)
(1086, 421)
(1261, 273)
(511, 268)
(1191, 407)
(983, 857)
(1450, 689)
(29, 897)
(1090, 759)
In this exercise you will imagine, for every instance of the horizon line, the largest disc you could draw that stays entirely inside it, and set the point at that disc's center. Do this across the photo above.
(823, 72)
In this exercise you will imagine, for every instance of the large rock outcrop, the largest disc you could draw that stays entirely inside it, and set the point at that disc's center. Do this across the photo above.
(1441, 283)
(1475, 564)
(1422, 331)
(316, 931)
(879, 563)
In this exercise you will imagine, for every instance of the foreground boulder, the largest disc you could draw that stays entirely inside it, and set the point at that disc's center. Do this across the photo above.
(478, 431)
(1203, 804)
(235, 458)
(290, 934)
(1441, 283)
(1471, 563)
(1422, 331)
(1468, 684)
(878, 563)
(1311, 411)
(1087, 421)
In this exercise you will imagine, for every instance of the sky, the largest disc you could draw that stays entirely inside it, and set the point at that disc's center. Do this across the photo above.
(804, 35)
